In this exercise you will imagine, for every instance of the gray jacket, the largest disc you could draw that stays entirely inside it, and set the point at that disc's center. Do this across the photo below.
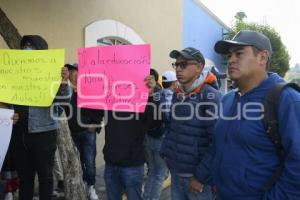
(41, 119)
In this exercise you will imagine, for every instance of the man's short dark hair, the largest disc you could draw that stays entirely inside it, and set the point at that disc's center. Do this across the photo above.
(256, 51)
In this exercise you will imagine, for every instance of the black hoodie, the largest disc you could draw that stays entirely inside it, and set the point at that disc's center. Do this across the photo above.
(35, 40)
(39, 43)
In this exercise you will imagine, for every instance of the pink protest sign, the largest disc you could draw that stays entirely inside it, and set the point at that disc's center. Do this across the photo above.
(112, 77)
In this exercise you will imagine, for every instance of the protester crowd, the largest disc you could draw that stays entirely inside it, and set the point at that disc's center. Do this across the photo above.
(212, 146)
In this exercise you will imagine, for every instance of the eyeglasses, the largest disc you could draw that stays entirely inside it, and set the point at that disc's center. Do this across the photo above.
(183, 64)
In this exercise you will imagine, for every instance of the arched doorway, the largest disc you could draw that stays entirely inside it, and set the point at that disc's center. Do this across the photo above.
(110, 32)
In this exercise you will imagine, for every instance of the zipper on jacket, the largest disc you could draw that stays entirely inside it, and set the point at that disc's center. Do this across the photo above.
(238, 100)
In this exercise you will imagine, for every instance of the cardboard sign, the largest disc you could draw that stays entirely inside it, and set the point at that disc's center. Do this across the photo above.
(6, 124)
(112, 77)
(30, 77)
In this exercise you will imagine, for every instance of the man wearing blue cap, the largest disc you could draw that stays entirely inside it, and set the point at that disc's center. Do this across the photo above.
(246, 158)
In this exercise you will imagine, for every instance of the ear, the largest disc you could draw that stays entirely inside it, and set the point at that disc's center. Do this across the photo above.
(200, 67)
(264, 57)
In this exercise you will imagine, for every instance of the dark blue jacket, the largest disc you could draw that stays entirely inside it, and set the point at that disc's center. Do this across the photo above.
(245, 157)
(188, 139)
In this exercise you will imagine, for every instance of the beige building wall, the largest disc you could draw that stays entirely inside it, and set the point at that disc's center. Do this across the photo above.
(62, 22)
(3, 45)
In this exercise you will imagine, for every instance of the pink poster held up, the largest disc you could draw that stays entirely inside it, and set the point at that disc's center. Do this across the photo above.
(112, 77)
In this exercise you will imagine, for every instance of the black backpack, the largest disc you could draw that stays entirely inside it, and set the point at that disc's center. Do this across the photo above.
(271, 105)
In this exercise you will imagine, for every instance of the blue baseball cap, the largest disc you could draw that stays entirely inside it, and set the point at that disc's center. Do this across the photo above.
(245, 38)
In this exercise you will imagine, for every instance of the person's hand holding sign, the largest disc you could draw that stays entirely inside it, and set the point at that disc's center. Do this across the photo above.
(15, 118)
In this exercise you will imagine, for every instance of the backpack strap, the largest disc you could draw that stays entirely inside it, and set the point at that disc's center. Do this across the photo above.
(271, 106)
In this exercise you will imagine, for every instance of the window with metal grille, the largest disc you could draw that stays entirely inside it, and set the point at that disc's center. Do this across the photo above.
(108, 41)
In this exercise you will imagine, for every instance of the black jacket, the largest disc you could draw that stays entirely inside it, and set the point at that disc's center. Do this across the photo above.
(124, 139)
(87, 116)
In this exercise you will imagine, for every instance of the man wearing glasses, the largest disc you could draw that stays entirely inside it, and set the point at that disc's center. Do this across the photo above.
(187, 143)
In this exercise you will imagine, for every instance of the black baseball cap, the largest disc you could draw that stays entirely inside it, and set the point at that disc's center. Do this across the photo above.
(72, 66)
(188, 53)
(245, 38)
